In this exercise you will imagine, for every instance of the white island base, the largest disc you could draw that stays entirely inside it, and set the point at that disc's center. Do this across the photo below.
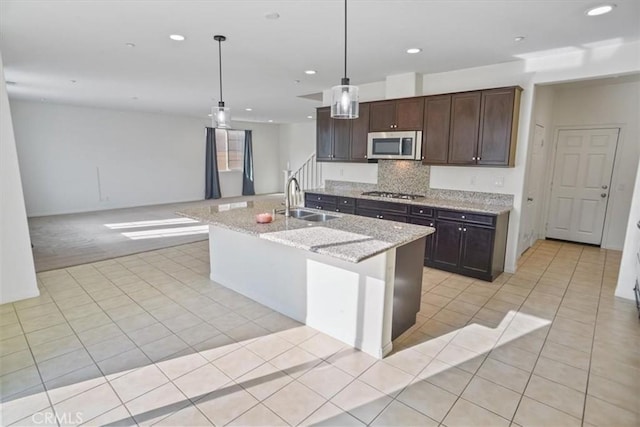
(352, 302)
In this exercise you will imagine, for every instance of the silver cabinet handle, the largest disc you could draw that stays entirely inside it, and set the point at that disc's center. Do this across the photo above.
(463, 217)
(365, 157)
(464, 229)
(421, 211)
(603, 195)
(479, 158)
(459, 228)
(431, 224)
(473, 158)
(381, 217)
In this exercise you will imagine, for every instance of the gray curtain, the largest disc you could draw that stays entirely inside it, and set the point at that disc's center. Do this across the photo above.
(247, 173)
(212, 180)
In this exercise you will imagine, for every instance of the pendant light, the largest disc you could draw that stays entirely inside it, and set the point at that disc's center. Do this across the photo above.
(221, 115)
(344, 97)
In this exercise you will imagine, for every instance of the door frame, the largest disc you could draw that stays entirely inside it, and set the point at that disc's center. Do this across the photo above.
(614, 176)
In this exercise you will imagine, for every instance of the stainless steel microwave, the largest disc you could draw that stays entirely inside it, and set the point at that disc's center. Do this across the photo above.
(395, 145)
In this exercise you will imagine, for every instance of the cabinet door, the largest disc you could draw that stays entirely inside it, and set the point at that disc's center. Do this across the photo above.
(477, 248)
(323, 134)
(496, 122)
(341, 139)
(446, 244)
(435, 134)
(429, 244)
(359, 134)
(465, 122)
(409, 114)
(382, 116)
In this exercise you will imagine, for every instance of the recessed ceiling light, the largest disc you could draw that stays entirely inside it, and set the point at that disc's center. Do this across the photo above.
(176, 37)
(309, 117)
(272, 15)
(600, 10)
(248, 109)
(130, 44)
(519, 39)
(270, 121)
(414, 50)
(210, 115)
(310, 72)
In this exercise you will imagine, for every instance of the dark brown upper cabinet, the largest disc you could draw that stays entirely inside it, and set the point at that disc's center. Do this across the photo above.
(435, 134)
(397, 114)
(359, 135)
(498, 127)
(324, 134)
(341, 140)
(465, 123)
(471, 128)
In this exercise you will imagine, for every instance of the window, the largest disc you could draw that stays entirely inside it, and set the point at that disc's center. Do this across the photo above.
(230, 149)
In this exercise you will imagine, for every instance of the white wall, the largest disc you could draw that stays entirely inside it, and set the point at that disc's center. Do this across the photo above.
(610, 104)
(626, 278)
(76, 159)
(297, 143)
(17, 272)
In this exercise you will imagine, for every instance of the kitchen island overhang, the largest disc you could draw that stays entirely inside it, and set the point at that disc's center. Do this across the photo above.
(356, 279)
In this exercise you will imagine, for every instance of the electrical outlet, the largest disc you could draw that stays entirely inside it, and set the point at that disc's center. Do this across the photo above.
(499, 181)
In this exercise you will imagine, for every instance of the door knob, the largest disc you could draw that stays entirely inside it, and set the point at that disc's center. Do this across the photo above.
(604, 187)
(603, 195)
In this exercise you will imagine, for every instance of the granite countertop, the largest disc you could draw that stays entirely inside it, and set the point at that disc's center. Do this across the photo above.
(460, 205)
(350, 238)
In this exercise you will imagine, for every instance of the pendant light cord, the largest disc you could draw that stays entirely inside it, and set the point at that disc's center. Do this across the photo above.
(345, 39)
(220, 62)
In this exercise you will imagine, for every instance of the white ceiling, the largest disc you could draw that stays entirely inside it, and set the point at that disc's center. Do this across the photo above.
(47, 44)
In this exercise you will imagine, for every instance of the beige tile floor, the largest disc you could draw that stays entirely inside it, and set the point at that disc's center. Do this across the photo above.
(148, 339)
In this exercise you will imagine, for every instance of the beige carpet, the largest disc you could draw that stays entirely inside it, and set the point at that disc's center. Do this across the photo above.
(65, 240)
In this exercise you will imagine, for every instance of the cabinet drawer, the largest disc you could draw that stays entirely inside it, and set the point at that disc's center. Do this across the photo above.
(421, 211)
(346, 209)
(467, 217)
(371, 213)
(346, 201)
(326, 206)
(382, 206)
(314, 197)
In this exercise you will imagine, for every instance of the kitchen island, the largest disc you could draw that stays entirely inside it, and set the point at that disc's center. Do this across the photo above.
(355, 279)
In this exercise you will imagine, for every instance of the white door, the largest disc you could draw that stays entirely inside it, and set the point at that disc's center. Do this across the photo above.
(535, 174)
(581, 184)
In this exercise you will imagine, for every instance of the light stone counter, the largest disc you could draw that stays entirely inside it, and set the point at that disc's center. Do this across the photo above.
(459, 205)
(348, 237)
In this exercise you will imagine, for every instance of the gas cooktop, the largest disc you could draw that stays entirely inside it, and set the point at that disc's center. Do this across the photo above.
(392, 195)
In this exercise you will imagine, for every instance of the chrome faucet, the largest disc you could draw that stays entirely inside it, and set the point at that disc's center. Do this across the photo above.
(287, 196)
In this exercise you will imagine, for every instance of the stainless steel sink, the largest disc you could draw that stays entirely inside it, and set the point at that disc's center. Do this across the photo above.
(318, 217)
(312, 216)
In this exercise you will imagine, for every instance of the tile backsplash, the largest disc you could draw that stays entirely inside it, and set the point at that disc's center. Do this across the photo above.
(403, 176)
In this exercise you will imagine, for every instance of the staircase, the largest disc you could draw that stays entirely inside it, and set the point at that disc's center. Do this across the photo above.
(309, 176)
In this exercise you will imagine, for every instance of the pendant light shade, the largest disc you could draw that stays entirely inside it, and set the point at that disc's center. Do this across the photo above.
(221, 115)
(344, 97)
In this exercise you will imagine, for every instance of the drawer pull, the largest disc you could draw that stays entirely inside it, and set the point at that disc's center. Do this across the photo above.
(421, 211)
(464, 229)
(430, 224)
(463, 217)
(344, 201)
(459, 228)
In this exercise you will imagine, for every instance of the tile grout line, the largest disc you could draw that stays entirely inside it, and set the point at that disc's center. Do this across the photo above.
(593, 340)
(522, 395)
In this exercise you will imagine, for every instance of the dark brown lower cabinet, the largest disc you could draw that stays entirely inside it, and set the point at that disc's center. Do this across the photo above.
(429, 241)
(469, 249)
(467, 243)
